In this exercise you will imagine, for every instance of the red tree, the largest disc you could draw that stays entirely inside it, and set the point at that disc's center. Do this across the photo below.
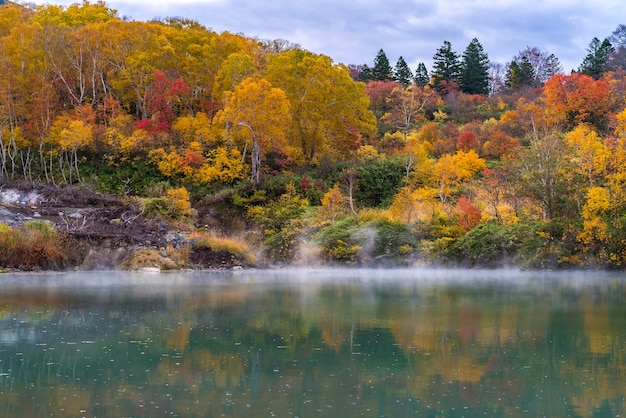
(163, 101)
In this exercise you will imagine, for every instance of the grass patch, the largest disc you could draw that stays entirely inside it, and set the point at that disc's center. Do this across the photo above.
(34, 245)
(239, 250)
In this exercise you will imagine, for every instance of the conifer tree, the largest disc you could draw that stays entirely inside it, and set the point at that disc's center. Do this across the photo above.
(520, 74)
(402, 72)
(474, 74)
(446, 66)
(421, 75)
(595, 61)
(543, 65)
(365, 73)
(382, 69)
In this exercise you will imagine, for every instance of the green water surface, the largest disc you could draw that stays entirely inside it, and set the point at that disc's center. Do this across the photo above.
(313, 343)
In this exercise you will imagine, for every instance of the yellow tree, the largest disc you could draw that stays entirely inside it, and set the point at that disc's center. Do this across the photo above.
(135, 50)
(193, 131)
(589, 159)
(588, 153)
(594, 228)
(258, 114)
(334, 204)
(70, 135)
(451, 170)
(405, 207)
(235, 68)
(616, 176)
(329, 111)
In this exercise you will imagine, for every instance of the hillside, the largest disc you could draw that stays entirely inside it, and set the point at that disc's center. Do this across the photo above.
(166, 145)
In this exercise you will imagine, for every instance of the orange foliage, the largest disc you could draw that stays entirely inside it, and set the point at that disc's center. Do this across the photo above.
(467, 141)
(576, 98)
(469, 214)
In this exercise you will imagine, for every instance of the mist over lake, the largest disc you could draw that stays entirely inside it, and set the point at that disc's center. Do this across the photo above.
(313, 342)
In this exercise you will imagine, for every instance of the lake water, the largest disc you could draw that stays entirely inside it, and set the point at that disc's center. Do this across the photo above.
(313, 343)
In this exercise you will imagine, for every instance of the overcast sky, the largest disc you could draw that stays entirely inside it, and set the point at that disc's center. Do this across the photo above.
(353, 31)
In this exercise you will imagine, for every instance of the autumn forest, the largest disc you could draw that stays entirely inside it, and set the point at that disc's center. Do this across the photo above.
(470, 163)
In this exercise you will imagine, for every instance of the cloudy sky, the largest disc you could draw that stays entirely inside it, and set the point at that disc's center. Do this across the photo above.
(353, 31)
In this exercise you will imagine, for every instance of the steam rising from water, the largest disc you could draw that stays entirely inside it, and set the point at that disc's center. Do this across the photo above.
(306, 275)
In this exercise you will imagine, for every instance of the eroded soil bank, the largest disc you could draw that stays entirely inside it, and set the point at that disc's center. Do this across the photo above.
(107, 232)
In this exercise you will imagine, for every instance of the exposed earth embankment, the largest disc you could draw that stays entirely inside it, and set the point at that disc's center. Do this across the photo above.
(102, 231)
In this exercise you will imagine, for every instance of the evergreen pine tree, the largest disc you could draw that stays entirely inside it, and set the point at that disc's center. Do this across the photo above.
(520, 74)
(599, 53)
(402, 72)
(474, 74)
(445, 66)
(382, 69)
(365, 73)
(421, 75)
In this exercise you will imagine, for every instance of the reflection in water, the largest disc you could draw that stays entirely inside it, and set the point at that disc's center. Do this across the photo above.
(394, 343)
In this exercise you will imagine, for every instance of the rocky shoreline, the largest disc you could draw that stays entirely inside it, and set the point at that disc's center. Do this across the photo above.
(106, 232)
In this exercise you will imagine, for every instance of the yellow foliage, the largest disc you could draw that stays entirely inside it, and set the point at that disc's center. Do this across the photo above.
(179, 199)
(333, 205)
(620, 131)
(411, 205)
(368, 215)
(14, 135)
(489, 125)
(507, 214)
(451, 170)
(594, 229)
(404, 206)
(589, 155)
(598, 202)
(468, 163)
(222, 165)
(69, 134)
(133, 143)
(168, 164)
(192, 129)
(230, 245)
(367, 152)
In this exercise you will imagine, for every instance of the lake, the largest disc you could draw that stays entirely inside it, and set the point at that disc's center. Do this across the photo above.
(313, 343)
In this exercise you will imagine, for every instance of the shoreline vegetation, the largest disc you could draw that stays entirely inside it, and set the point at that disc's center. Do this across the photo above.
(165, 145)
(46, 228)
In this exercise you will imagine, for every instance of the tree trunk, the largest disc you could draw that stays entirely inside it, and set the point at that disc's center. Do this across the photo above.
(255, 157)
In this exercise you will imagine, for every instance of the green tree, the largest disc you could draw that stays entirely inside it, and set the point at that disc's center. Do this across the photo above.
(402, 72)
(446, 67)
(382, 69)
(474, 73)
(364, 73)
(540, 169)
(421, 75)
(544, 65)
(520, 74)
(595, 61)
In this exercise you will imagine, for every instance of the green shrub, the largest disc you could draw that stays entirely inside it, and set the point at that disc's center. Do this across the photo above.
(336, 241)
(348, 241)
(394, 239)
(378, 181)
(492, 244)
(156, 207)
